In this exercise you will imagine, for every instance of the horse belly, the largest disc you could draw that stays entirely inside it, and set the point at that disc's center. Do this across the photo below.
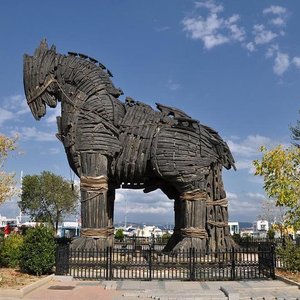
(177, 156)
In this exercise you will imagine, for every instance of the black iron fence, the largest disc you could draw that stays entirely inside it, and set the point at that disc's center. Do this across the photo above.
(150, 264)
(250, 242)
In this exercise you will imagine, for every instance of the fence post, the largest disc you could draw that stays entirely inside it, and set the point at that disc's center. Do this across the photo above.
(192, 264)
(232, 263)
(273, 261)
(62, 259)
(107, 267)
(150, 264)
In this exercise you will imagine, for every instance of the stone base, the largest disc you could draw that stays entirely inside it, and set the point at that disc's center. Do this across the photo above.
(179, 243)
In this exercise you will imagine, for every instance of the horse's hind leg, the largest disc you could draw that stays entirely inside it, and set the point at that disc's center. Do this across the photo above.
(97, 202)
(201, 216)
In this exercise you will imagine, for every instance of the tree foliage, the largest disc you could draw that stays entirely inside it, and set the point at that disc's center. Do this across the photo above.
(296, 133)
(7, 183)
(48, 197)
(272, 213)
(280, 168)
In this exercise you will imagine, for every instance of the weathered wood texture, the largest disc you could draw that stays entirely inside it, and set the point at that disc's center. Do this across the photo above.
(109, 143)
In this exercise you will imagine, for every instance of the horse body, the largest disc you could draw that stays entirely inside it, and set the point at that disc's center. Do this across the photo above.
(109, 143)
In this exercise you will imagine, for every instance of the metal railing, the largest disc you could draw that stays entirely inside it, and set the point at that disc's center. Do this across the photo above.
(150, 264)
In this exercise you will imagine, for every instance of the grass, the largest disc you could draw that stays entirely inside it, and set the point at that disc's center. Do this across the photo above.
(295, 276)
(15, 279)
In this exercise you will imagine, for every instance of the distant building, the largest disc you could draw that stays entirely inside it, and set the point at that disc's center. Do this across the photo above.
(69, 229)
(234, 228)
(4, 221)
(260, 228)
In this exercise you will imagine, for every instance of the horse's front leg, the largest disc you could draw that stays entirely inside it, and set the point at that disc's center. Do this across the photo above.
(97, 202)
(190, 218)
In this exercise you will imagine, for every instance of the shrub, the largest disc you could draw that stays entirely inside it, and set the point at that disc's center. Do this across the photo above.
(271, 234)
(10, 250)
(119, 234)
(290, 256)
(165, 237)
(38, 251)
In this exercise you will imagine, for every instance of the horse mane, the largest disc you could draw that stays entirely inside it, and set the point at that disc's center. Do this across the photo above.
(91, 59)
(91, 68)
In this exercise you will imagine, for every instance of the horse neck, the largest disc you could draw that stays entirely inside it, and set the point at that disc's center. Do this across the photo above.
(79, 81)
(82, 74)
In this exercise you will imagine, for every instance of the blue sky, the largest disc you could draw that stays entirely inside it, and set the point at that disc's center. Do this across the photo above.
(233, 65)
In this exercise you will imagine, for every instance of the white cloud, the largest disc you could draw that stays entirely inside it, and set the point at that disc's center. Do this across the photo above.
(281, 63)
(146, 208)
(263, 35)
(52, 151)
(278, 21)
(296, 61)
(280, 14)
(210, 5)
(53, 114)
(248, 147)
(173, 86)
(231, 196)
(246, 206)
(272, 50)
(213, 30)
(275, 9)
(5, 115)
(238, 34)
(17, 104)
(205, 30)
(31, 133)
(250, 47)
(245, 151)
(256, 195)
(245, 164)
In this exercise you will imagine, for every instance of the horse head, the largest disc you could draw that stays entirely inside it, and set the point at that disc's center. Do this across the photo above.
(40, 84)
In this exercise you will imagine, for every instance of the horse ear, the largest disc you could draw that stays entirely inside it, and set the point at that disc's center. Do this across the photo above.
(53, 48)
(42, 48)
(43, 44)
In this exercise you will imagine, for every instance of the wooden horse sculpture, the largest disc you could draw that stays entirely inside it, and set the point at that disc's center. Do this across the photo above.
(110, 144)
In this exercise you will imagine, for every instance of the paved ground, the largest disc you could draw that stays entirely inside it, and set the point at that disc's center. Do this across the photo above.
(65, 289)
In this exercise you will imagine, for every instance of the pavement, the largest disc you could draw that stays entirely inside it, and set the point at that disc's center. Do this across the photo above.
(65, 288)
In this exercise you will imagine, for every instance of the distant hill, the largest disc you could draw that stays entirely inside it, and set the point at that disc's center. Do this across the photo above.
(245, 225)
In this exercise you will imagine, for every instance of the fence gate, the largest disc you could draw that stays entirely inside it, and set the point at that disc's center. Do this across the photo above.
(267, 260)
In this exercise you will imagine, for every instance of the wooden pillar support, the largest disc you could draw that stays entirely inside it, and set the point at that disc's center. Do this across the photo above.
(97, 202)
(190, 221)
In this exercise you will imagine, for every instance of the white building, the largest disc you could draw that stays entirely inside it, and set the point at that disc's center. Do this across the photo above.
(68, 229)
(234, 228)
(5, 220)
(260, 228)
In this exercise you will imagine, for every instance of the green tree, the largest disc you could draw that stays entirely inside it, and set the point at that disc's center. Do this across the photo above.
(280, 169)
(296, 133)
(7, 183)
(48, 197)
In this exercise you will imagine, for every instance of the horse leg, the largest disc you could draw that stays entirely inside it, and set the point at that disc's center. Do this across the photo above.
(97, 203)
(190, 222)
